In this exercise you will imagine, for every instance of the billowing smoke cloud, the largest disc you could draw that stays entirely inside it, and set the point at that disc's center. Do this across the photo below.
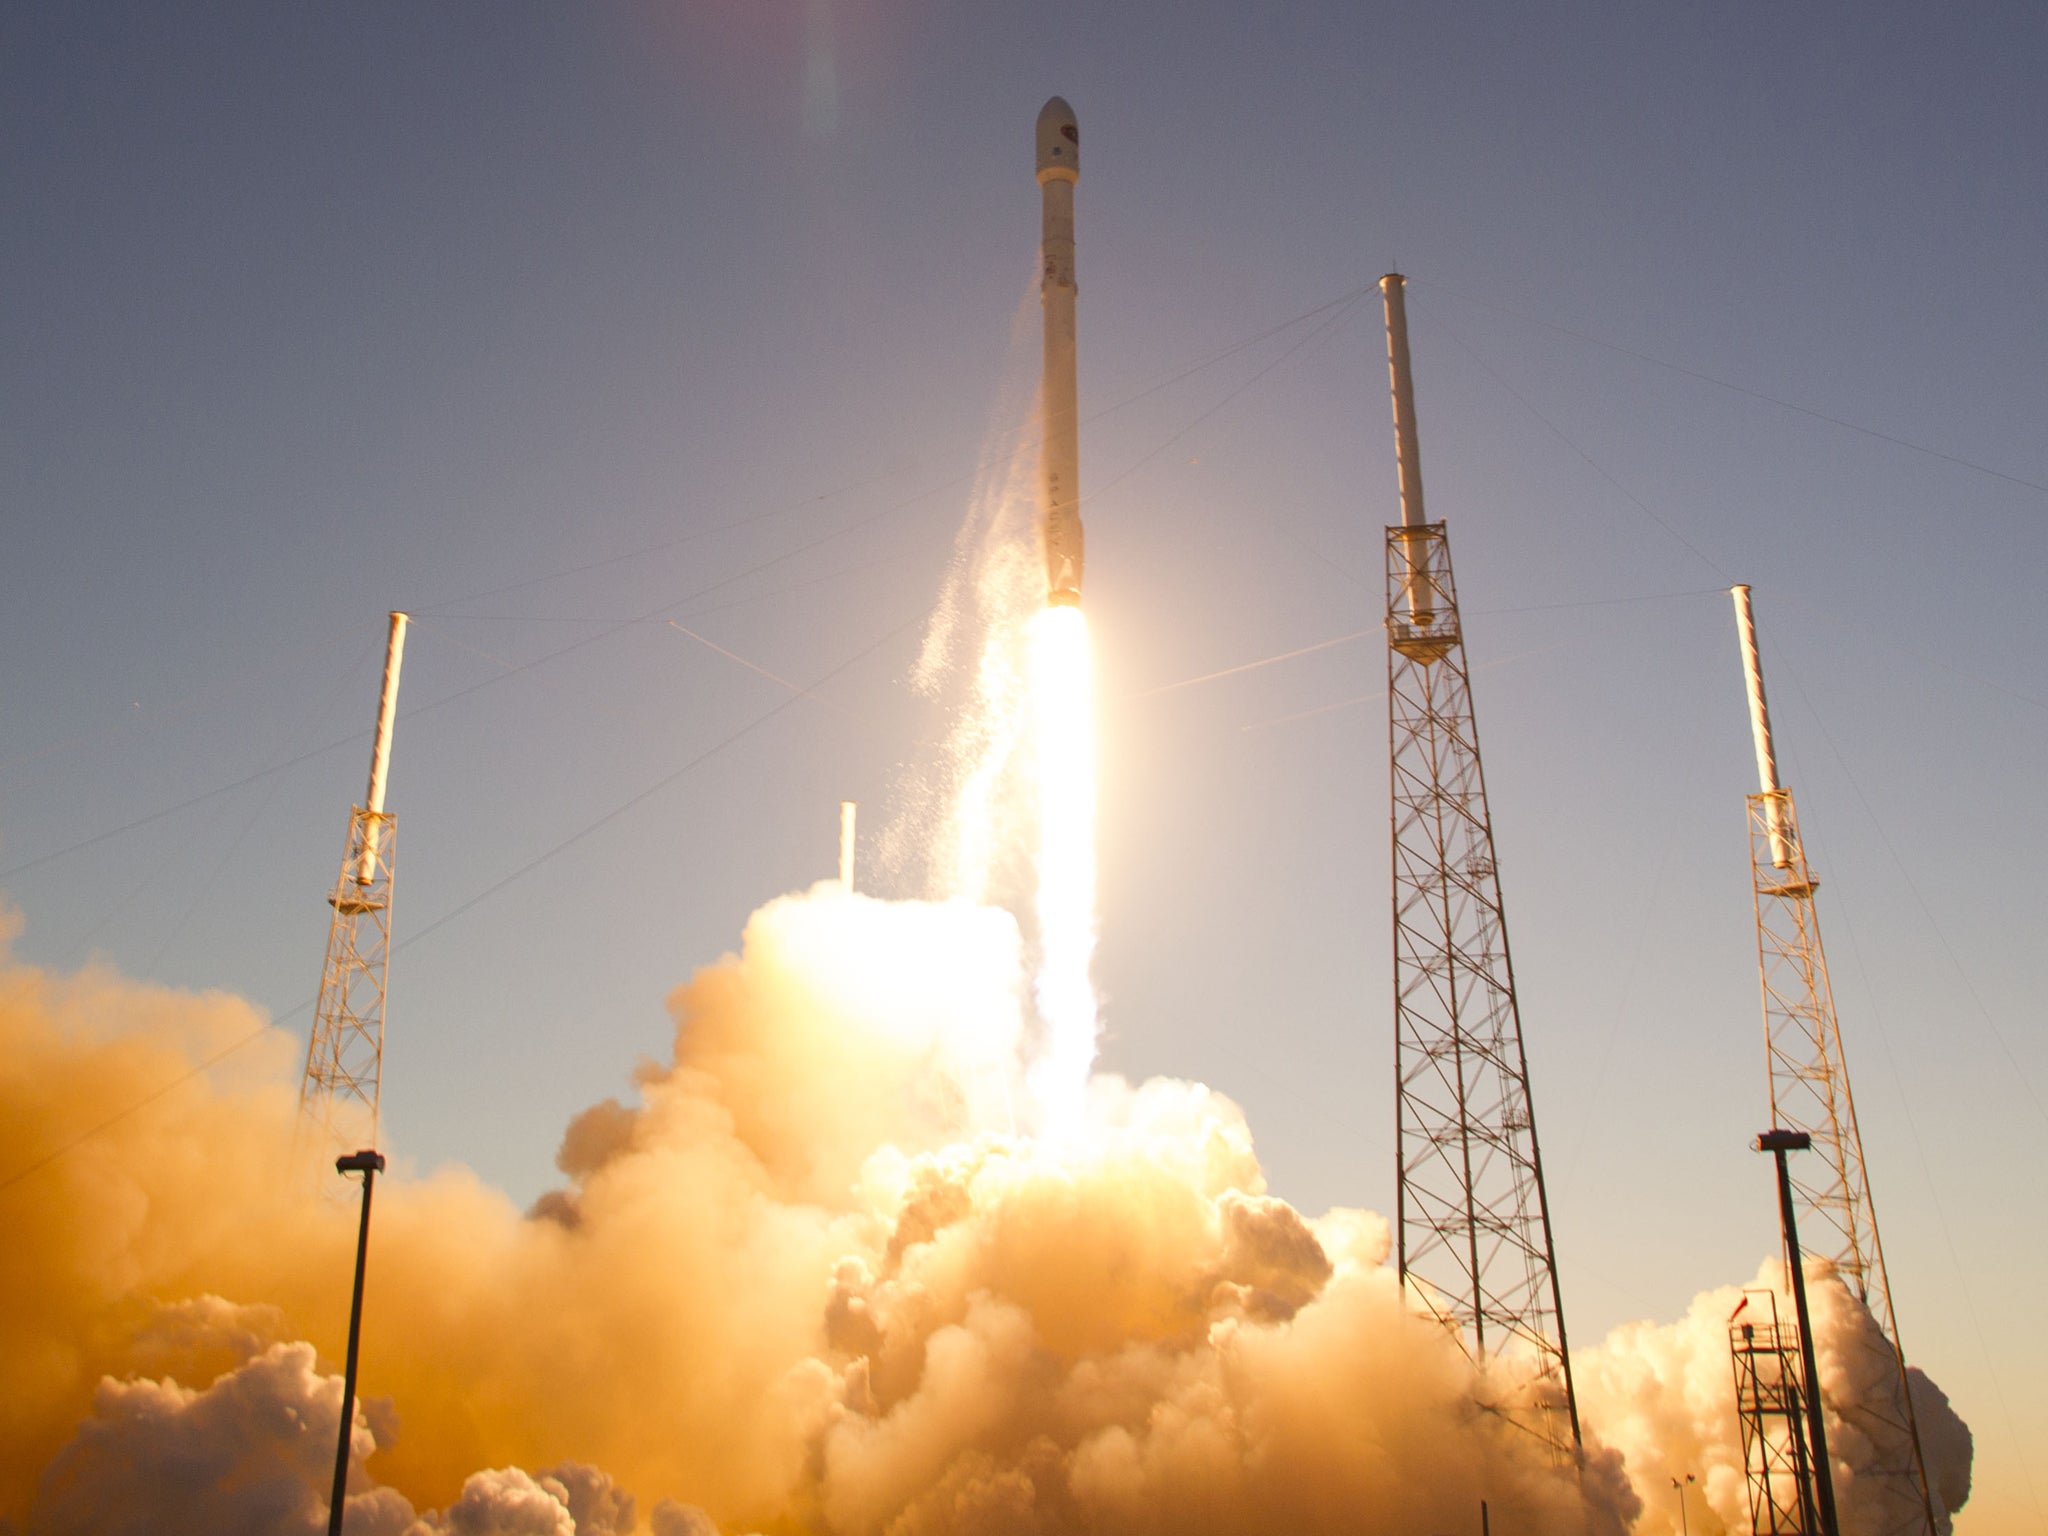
(242, 1455)
(254, 1452)
(812, 1280)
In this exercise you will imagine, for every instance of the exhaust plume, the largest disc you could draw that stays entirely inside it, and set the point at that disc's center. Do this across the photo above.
(810, 1281)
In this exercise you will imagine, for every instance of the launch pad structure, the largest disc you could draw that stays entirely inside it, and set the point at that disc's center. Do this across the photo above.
(1809, 1091)
(1473, 1220)
(341, 1092)
(1771, 1406)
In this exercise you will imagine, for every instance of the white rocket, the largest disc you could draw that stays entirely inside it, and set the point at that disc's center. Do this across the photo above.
(1059, 167)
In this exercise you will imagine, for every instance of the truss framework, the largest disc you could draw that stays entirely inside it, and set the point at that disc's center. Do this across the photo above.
(1473, 1225)
(1809, 1081)
(338, 1098)
(1772, 1409)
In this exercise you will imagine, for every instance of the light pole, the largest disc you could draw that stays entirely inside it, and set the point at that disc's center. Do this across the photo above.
(369, 1165)
(1684, 1528)
(1778, 1143)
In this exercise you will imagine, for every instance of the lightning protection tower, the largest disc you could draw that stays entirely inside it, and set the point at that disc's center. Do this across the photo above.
(1809, 1084)
(338, 1099)
(1473, 1227)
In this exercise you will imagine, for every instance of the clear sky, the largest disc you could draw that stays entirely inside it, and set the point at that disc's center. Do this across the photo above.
(555, 324)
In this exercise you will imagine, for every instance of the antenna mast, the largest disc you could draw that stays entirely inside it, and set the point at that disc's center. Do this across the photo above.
(1809, 1083)
(1473, 1229)
(338, 1099)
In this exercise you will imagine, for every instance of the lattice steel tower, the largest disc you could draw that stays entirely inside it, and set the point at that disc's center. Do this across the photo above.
(1473, 1227)
(1772, 1410)
(1809, 1083)
(338, 1099)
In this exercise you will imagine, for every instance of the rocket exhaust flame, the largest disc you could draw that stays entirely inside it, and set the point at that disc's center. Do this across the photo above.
(1062, 709)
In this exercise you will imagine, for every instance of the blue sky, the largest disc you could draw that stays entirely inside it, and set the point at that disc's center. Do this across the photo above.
(540, 320)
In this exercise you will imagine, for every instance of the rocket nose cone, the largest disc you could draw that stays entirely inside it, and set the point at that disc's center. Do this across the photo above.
(1059, 142)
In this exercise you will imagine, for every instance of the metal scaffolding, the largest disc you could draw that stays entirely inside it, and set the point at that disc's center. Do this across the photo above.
(1772, 1409)
(1473, 1226)
(339, 1097)
(1809, 1087)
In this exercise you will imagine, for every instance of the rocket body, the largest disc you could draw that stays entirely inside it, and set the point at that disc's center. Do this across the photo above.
(1059, 521)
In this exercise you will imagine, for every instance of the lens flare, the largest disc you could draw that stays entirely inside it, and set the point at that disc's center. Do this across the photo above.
(1063, 722)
